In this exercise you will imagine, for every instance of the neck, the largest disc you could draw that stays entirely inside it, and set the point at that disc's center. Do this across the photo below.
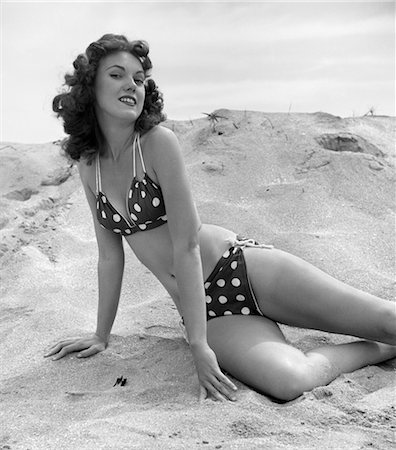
(118, 138)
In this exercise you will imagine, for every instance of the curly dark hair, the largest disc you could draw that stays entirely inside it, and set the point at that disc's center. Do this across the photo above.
(75, 105)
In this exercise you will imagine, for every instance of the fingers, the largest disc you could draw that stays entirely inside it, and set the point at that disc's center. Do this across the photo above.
(215, 394)
(223, 390)
(90, 351)
(57, 347)
(220, 390)
(66, 350)
(227, 382)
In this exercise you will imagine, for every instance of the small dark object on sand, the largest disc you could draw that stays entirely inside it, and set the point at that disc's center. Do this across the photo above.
(121, 380)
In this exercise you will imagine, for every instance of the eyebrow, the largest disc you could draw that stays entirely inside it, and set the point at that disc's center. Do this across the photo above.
(123, 68)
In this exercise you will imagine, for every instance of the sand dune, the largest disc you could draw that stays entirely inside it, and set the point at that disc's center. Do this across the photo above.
(316, 185)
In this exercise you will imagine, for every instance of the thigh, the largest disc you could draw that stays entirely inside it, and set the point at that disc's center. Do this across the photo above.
(254, 350)
(292, 291)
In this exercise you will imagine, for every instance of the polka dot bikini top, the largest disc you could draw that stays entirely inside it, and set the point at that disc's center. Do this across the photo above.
(144, 202)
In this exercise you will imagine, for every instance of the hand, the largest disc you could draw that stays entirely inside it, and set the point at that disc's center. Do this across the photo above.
(86, 346)
(212, 380)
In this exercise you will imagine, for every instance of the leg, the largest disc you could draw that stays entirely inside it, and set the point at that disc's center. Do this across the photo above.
(253, 349)
(290, 290)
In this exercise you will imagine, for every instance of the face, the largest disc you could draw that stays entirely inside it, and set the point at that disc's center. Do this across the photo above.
(119, 88)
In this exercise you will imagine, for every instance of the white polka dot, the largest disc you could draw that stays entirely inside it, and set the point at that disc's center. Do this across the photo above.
(136, 185)
(164, 218)
(97, 205)
(220, 283)
(130, 193)
(116, 218)
(212, 314)
(226, 254)
(245, 310)
(207, 284)
(104, 215)
(116, 230)
(144, 182)
(208, 299)
(128, 231)
(227, 313)
(236, 282)
(156, 202)
(142, 226)
(136, 207)
(235, 250)
(240, 298)
(154, 185)
(234, 265)
(103, 199)
(222, 299)
(133, 217)
(143, 194)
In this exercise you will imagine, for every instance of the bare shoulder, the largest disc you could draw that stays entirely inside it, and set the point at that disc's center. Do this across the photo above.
(159, 132)
(160, 141)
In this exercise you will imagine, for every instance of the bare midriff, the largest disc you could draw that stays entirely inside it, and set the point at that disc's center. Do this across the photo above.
(154, 249)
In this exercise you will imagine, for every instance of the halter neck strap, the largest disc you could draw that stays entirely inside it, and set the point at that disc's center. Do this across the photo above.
(136, 142)
(98, 177)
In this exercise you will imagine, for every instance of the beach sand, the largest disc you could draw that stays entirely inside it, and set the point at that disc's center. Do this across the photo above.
(265, 175)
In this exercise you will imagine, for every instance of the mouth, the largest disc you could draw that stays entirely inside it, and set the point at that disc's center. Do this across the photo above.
(131, 101)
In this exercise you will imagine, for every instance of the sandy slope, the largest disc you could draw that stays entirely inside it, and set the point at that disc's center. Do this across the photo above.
(265, 175)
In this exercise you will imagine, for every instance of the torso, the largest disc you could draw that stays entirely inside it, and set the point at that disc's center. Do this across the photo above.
(154, 247)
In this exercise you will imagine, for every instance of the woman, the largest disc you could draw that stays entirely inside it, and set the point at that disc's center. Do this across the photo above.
(136, 185)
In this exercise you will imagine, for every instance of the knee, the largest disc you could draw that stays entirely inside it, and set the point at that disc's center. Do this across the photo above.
(291, 382)
(387, 323)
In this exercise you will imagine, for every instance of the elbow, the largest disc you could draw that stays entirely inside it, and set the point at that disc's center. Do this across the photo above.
(111, 250)
(113, 256)
(112, 267)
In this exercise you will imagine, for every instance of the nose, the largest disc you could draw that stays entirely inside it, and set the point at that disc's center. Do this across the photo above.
(130, 85)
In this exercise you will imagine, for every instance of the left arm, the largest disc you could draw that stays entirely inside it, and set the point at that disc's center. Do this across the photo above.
(184, 225)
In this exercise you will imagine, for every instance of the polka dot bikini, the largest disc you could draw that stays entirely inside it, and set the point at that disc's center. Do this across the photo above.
(228, 290)
(144, 201)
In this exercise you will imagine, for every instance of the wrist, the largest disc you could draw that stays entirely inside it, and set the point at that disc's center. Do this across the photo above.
(103, 336)
(198, 344)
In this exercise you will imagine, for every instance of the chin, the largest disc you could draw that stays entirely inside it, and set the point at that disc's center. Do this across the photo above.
(131, 116)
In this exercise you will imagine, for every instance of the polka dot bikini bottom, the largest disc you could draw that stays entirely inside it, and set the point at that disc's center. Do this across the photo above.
(228, 290)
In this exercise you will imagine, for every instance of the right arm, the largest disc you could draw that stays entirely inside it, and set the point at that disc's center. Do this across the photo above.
(110, 272)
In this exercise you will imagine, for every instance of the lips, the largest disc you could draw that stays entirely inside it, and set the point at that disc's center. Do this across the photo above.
(131, 101)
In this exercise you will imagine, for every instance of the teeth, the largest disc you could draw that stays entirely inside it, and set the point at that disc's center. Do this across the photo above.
(128, 100)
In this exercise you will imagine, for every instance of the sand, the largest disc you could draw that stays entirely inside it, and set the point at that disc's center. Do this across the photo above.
(266, 175)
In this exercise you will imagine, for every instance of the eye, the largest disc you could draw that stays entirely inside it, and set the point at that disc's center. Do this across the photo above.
(139, 82)
(115, 75)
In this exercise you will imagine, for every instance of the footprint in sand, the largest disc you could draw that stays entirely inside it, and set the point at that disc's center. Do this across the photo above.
(347, 142)
(211, 166)
(21, 195)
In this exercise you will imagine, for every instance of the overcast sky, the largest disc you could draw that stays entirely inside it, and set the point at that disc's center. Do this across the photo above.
(337, 57)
